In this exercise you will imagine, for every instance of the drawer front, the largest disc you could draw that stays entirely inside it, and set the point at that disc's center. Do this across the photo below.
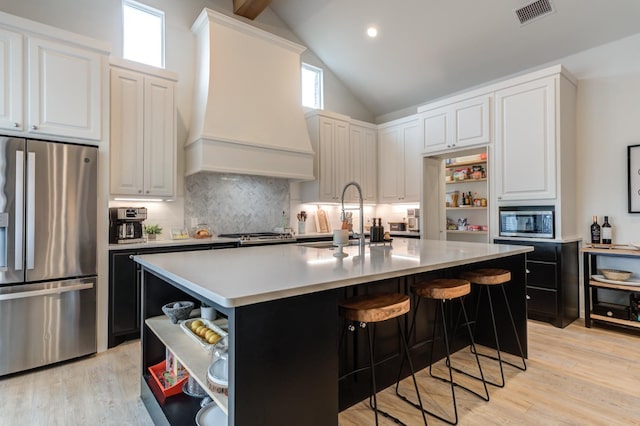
(542, 300)
(542, 275)
(543, 252)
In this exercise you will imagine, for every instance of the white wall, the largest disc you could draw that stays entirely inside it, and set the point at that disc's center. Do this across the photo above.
(608, 120)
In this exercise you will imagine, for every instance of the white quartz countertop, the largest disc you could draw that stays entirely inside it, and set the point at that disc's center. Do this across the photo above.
(248, 275)
(151, 244)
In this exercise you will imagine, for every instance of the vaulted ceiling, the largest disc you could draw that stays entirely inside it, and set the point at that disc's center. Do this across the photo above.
(427, 49)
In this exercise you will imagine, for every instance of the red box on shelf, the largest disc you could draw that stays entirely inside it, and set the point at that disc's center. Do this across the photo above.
(156, 372)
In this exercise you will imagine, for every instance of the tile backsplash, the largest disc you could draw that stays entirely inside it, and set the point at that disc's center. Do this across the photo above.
(231, 203)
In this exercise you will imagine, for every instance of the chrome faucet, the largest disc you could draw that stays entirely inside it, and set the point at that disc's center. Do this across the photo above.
(343, 215)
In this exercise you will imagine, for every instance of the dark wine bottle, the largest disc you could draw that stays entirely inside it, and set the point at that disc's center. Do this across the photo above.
(595, 231)
(607, 231)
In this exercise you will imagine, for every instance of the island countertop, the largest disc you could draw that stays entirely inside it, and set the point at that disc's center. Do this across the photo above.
(244, 276)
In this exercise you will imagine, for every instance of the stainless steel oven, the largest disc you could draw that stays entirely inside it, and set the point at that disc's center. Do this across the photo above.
(527, 221)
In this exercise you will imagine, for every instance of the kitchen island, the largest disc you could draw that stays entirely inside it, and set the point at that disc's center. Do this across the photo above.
(282, 308)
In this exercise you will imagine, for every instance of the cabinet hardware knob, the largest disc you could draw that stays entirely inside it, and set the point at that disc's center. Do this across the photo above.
(147, 191)
(528, 271)
(16, 124)
(528, 297)
(34, 127)
(139, 191)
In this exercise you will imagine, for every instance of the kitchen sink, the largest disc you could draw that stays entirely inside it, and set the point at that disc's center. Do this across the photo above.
(326, 244)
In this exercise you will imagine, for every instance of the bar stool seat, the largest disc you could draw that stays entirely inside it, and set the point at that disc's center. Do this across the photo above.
(375, 308)
(489, 277)
(443, 290)
(372, 309)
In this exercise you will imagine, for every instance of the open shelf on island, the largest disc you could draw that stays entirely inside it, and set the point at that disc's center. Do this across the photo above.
(452, 182)
(464, 163)
(195, 359)
(628, 323)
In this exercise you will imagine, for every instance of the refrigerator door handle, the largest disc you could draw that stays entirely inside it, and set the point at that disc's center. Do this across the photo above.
(19, 220)
(31, 209)
(46, 291)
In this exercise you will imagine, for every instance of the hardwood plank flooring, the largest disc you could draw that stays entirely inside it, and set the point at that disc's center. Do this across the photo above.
(575, 376)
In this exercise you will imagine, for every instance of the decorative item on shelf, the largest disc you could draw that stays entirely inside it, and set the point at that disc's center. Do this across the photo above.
(207, 312)
(167, 384)
(615, 274)
(178, 311)
(462, 224)
(152, 231)
(454, 198)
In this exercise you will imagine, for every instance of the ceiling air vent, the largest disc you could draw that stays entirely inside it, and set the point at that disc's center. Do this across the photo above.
(534, 10)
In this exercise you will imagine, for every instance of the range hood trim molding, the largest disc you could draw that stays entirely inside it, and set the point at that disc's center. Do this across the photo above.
(209, 138)
(207, 155)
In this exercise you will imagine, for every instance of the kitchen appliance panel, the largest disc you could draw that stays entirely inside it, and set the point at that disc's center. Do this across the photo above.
(527, 221)
(12, 177)
(61, 210)
(45, 323)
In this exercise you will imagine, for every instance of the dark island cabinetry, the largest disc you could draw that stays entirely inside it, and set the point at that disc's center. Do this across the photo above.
(124, 289)
(553, 281)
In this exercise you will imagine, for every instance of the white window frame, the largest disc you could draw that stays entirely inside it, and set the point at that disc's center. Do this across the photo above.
(320, 85)
(151, 11)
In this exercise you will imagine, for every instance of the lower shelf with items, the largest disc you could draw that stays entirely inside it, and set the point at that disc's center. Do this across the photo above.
(193, 357)
(615, 313)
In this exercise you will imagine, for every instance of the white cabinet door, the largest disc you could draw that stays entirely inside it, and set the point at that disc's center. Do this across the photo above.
(11, 88)
(461, 124)
(391, 165)
(526, 141)
(472, 121)
(333, 157)
(364, 166)
(127, 132)
(412, 162)
(400, 161)
(436, 127)
(64, 90)
(159, 138)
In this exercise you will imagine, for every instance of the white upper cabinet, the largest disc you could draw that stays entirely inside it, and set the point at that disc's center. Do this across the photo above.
(11, 88)
(51, 82)
(455, 125)
(364, 162)
(345, 151)
(526, 141)
(329, 136)
(65, 96)
(143, 134)
(399, 161)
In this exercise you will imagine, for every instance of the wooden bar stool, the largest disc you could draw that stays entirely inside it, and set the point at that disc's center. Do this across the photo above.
(372, 309)
(443, 290)
(489, 277)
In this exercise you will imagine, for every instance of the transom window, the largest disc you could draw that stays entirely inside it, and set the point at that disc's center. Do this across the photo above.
(312, 96)
(143, 33)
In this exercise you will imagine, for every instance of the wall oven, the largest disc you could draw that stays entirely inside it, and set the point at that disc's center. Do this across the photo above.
(527, 221)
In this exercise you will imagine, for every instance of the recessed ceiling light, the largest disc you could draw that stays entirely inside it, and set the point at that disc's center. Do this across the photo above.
(372, 32)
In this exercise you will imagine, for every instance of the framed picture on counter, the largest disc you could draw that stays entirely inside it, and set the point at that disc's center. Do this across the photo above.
(633, 173)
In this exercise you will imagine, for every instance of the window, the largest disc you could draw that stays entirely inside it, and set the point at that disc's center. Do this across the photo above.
(312, 87)
(143, 33)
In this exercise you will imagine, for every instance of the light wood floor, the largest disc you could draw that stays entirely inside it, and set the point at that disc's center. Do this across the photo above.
(575, 376)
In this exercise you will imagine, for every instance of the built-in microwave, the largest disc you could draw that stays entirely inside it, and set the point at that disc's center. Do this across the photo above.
(527, 221)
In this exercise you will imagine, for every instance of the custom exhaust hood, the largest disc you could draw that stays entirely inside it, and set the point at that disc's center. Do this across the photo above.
(247, 115)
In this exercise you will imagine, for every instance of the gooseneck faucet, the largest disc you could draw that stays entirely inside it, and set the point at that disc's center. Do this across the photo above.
(343, 215)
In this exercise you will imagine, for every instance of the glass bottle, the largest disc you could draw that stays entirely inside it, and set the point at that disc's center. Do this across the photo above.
(595, 231)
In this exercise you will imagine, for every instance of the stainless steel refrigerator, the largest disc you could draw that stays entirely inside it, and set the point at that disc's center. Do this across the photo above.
(48, 272)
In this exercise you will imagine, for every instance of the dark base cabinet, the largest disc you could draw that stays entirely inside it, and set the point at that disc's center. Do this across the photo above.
(124, 289)
(553, 281)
